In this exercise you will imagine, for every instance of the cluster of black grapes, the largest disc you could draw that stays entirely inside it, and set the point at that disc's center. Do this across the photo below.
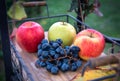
(54, 57)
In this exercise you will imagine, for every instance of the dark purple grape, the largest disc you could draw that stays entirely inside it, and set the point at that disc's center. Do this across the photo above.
(39, 53)
(42, 64)
(67, 47)
(55, 45)
(66, 60)
(65, 67)
(75, 49)
(58, 50)
(48, 67)
(56, 56)
(54, 70)
(67, 50)
(45, 54)
(62, 53)
(52, 53)
(59, 64)
(39, 46)
(75, 55)
(51, 42)
(41, 58)
(74, 67)
(59, 41)
(45, 46)
(44, 41)
(37, 63)
(79, 63)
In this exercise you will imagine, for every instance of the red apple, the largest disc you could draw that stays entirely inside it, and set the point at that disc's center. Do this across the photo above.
(91, 43)
(29, 35)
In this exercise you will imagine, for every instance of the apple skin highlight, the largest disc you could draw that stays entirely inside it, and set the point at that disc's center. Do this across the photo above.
(90, 42)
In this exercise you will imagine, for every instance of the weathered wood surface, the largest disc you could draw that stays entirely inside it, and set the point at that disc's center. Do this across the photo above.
(41, 74)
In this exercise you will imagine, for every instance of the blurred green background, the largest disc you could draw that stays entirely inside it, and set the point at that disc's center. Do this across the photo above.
(109, 24)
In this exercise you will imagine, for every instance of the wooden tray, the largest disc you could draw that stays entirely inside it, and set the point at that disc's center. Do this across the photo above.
(41, 74)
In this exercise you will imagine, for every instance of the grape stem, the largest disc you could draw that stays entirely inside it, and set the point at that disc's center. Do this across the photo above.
(51, 59)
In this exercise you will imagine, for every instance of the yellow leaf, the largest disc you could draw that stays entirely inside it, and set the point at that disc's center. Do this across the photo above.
(17, 11)
(94, 74)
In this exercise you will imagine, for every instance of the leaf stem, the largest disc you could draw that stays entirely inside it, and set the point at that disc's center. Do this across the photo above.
(80, 15)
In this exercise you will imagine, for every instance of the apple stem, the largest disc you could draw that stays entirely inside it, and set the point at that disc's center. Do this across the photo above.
(63, 23)
(91, 35)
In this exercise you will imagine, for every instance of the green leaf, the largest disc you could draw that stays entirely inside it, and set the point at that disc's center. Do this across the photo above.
(17, 11)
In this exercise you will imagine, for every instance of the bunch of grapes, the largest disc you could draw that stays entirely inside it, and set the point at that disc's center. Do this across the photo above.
(54, 57)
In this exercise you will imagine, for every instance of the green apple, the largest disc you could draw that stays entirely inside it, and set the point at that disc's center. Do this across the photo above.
(62, 30)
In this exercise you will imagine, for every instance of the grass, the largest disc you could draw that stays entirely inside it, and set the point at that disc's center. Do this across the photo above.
(109, 23)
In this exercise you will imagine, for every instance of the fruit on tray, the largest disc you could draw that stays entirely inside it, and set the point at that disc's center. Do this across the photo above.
(29, 35)
(95, 74)
(62, 30)
(52, 56)
(90, 42)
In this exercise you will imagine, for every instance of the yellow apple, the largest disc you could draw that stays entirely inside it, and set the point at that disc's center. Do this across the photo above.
(62, 30)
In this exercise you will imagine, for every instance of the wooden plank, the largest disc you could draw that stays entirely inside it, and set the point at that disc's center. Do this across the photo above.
(34, 3)
(41, 74)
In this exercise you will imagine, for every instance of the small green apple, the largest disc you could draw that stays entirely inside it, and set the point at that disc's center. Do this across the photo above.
(62, 30)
